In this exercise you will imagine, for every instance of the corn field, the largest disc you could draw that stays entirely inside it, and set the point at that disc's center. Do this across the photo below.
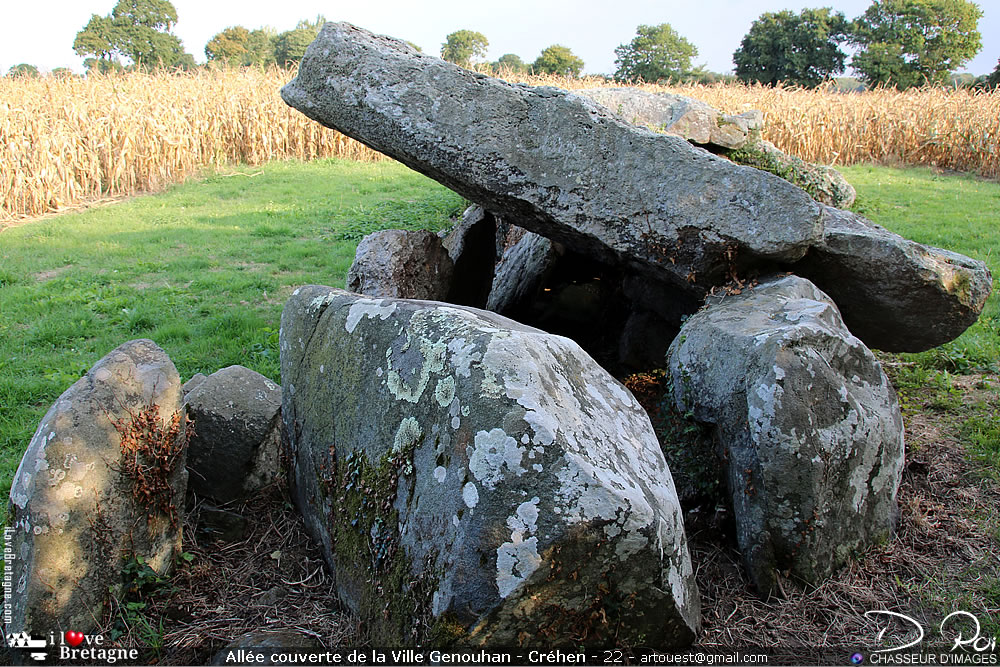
(70, 140)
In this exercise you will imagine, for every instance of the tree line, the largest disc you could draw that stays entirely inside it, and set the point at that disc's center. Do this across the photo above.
(897, 42)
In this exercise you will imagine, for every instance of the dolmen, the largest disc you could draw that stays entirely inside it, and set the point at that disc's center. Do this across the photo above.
(761, 302)
(455, 436)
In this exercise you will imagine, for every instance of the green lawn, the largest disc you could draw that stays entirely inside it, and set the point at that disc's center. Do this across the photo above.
(205, 268)
(953, 211)
(202, 269)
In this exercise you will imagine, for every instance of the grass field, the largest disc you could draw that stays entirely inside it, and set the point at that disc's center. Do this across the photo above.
(202, 269)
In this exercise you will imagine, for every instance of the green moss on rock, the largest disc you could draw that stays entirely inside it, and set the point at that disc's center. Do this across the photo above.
(823, 184)
(364, 533)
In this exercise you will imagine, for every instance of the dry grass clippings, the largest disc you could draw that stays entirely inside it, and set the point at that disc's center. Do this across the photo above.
(274, 579)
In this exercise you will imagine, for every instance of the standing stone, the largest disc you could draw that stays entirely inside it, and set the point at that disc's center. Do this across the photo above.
(554, 162)
(78, 509)
(805, 419)
(401, 264)
(237, 434)
(475, 480)
(520, 273)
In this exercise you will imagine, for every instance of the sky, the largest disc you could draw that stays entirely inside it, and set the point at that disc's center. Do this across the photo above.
(41, 32)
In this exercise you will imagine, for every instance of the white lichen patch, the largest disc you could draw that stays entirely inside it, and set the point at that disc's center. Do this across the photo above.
(463, 355)
(365, 308)
(516, 561)
(433, 356)
(523, 522)
(495, 450)
(444, 392)
(470, 495)
(440, 474)
(407, 435)
(518, 558)
(319, 302)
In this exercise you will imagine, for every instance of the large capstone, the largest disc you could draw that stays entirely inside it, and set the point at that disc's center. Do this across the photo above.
(554, 162)
(805, 419)
(475, 479)
(101, 483)
(685, 117)
(652, 205)
(895, 294)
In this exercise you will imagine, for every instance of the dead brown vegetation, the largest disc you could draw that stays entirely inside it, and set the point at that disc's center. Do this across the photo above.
(69, 140)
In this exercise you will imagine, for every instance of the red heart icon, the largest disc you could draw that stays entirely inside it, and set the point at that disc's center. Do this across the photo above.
(74, 638)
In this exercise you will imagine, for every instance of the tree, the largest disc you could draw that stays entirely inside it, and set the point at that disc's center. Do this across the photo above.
(657, 52)
(136, 30)
(914, 42)
(559, 60)
(512, 62)
(238, 46)
(23, 70)
(290, 46)
(228, 46)
(462, 46)
(62, 72)
(989, 81)
(801, 49)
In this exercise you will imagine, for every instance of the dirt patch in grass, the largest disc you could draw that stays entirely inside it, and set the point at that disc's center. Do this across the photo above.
(43, 276)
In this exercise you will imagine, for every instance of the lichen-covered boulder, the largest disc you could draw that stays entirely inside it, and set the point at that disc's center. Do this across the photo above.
(401, 264)
(102, 482)
(685, 117)
(824, 184)
(471, 479)
(895, 294)
(805, 419)
(554, 162)
(236, 441)
(195, 380)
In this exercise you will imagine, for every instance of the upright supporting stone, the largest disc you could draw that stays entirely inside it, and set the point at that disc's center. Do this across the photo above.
(473, 479)
(101, 482)
(806, 422)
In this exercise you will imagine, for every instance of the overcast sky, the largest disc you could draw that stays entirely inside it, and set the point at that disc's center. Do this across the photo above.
(41, 32)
